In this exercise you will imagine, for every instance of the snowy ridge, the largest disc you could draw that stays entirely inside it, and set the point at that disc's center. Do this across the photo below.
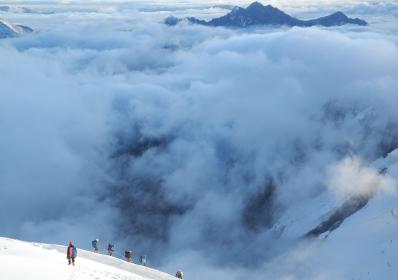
(300, 217)
(7, 29)
(368, 235)
(19, 260)
(10, 25)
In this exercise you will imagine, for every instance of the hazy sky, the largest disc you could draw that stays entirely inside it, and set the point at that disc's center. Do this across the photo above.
(232, 2)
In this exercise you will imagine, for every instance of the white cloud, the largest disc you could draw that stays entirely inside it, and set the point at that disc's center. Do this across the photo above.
(186, 130)
(352, 178)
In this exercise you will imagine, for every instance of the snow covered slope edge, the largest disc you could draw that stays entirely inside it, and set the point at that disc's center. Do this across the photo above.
(23, 260)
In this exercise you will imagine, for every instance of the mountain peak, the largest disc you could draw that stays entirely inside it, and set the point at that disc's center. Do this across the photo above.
(339, 14)
(258, 14)
(236, 9)
(256, 4)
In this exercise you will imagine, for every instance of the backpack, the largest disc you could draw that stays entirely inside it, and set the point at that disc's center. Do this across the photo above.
(74, 252)
(127, 254)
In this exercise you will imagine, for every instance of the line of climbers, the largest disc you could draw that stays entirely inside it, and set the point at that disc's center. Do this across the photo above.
(128, 254)
(71, 254)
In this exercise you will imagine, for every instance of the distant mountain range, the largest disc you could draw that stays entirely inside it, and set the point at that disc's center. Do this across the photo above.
(258, 14)
(9, 30)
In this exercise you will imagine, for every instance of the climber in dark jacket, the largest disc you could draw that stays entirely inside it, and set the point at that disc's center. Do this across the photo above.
(94, 243)
(71, 253)
(110, 249)
(128, 255)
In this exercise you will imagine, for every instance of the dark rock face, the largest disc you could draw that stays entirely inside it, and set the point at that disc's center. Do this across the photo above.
(258, 14)
(25, 29)
(255, 14)
(336, 218)
(144, 201)
(259, 211)
(336, 19)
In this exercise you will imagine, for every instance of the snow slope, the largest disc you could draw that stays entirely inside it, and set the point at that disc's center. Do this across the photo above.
(368, 237)
(23, 260)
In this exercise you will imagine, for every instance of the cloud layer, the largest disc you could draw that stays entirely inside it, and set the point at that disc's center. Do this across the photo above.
(190, 144)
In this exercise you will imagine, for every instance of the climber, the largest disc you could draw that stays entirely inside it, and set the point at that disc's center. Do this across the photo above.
(71, 253)
(180, 274)
(143, 260)
(110, 249)
(94, 243)
(128, 255)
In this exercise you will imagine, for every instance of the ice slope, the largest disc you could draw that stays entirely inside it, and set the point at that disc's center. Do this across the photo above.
(23, 260)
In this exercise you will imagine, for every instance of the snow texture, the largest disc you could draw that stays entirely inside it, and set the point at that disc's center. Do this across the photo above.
(24, 260)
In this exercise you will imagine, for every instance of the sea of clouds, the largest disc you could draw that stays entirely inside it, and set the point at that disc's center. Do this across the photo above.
(190, 143)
